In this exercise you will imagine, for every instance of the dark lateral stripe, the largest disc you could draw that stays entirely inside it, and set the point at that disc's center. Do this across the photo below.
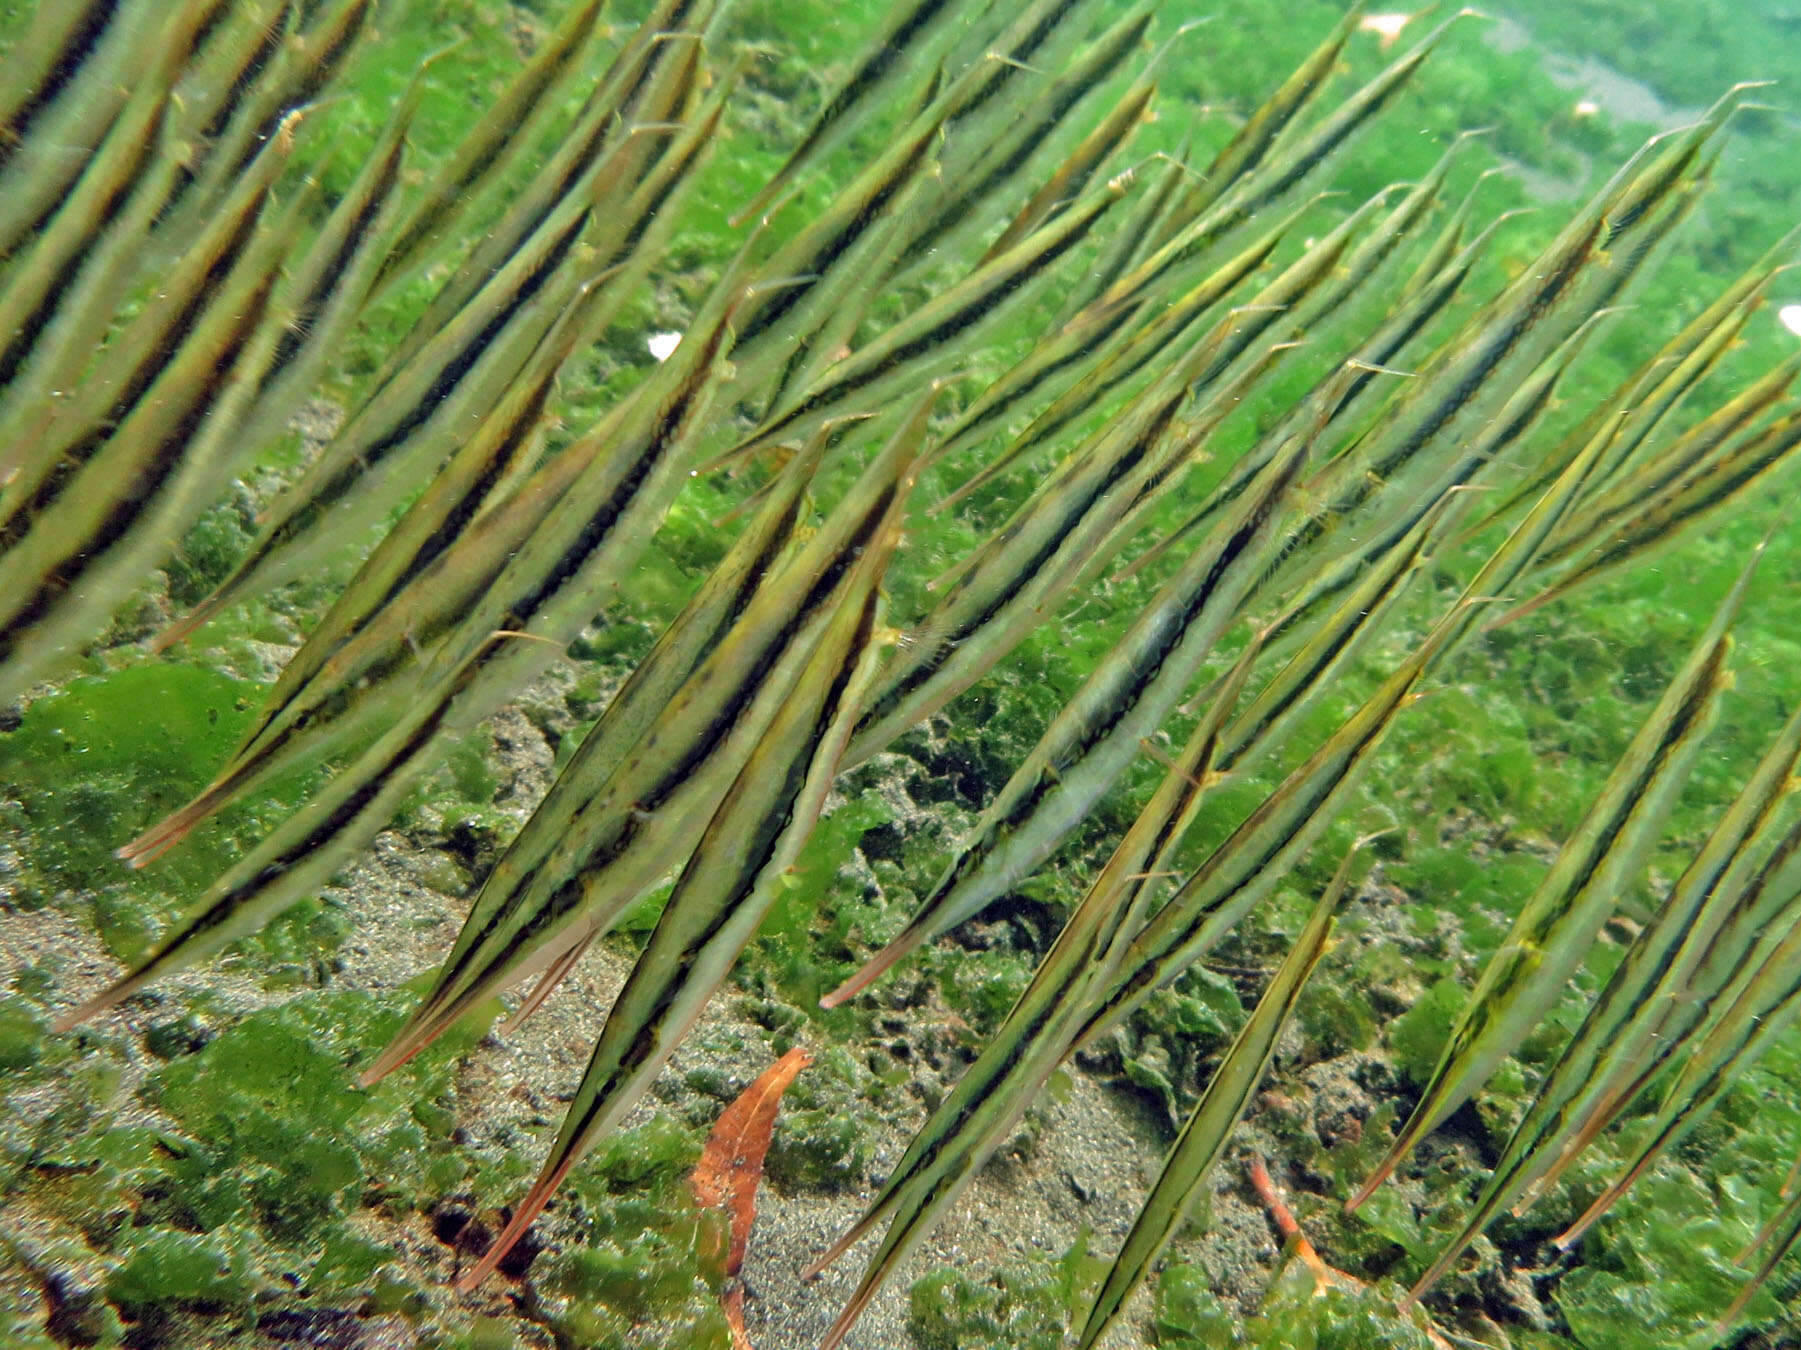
(1490, 1013)
(1071, 511)
(822, 589)
(152, 476)
(1320, 149)
(1742, 473)
(1421, 309)
(498, 458)
(1140, 351)
(312, 306)
(1036, 374)
(449, 376)
(1652, 193)
(454, 369)
(157, 358)
(1431, 303)
(333, 705)
(1639, 1005)
(837, 245)
(1161, 946)
(655, 53)
(721, 601)
(321, 838)
(1298, 809)
(1245, 151)
(951, 1131)
(323, 70)
(1490, 354)
(1070, 179)
(1047, 115)
(537, 79)
(25, 336)
(568, 896)
(1342, 640)
(721, 896)
(882, 58)
(1001, 72)
(954, 325)
(83, 40)
(702, 747)
(326, 837)
(1204, 1137)
(1148, 669)
(248, 74)
(1084, 750)
(1698, 443)
(518, 432)
(667, 182)
(1119, 252)
(208, 25)
(1559, 921)
(572, 175)
(1490, 444)
(494, 140)
(766, 834)
(600, 523)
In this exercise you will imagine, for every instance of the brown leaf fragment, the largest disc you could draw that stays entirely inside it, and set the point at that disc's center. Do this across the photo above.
(1290, 1229)
(731, 1165)
(1324, 1276)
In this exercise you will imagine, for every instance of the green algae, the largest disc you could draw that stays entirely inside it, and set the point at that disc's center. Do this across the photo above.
(1294, 1313)
(262, 1163)
(23, 1038)
(92, 763)
(167, 1265)
(1418, 1036)
(271, 1163)
(1189, 1315)
(649, 1274)
(1297, 1314)
(1650, 1284)
(140, 740)
(209, 550)
(824, 1139)
(1026, 1305)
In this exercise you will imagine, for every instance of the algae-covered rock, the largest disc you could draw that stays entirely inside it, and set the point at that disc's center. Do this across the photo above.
(1417, 1037)
(1300, 1315)
(1025, 1306)
(1189, 1315)
(22, 1033)
(825, 1135)
(161, 1264)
